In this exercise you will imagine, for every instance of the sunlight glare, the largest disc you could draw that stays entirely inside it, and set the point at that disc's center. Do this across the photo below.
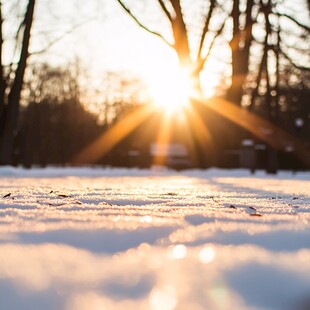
(207, 255)
(146, 219)
(172, 89)
(179, 251)
(163, 298)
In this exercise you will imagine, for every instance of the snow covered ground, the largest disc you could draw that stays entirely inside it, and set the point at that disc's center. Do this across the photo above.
(81, 239)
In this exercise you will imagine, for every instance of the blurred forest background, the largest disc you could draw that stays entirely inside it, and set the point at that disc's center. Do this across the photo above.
(50, 110)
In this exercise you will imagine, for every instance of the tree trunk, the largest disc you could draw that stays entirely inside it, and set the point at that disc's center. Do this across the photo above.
(11, 117)
(2, 79)
(240, 51)
(277, 85)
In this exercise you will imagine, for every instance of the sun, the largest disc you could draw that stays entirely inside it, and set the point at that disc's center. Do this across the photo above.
(171, 89)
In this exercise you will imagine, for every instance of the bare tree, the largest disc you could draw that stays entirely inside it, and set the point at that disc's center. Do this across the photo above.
(11, 92)
(12, 75)
(280, 60)
(240, 44)
(173, 12)
(244, 15)
(55, 125)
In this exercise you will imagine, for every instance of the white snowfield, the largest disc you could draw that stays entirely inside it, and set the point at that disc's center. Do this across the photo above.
(90, 239)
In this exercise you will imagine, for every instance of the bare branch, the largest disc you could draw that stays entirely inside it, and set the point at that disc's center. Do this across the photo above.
(296, 47)
(235, 16)
(249, 22)
(128, 11)
(17, 35)
(202, 61)
(206, 28)
(305, 27)
(293, 63)
(164, 8)
(53, 42)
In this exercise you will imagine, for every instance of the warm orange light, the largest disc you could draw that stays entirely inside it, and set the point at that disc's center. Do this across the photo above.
(261, 128)
(172, 89)
(163, 138)
(105, 143)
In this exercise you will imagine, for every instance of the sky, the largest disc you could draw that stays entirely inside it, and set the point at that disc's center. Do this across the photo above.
(109, 40)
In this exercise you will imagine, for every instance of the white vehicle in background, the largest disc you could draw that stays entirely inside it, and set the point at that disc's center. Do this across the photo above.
(172, 155)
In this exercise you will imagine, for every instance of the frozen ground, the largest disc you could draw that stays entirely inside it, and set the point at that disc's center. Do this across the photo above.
(88, 239)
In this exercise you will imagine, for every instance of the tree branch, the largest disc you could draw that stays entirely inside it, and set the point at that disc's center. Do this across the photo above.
(164, 8)
(69, 31)
(202, 61)
(206, 28)
(296, 47)
(180, 33)
(235, 16)
(292, 62)
(305, 27)
(128, 11)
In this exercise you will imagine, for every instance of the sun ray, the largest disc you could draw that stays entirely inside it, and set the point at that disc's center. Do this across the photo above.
(189, 141)
(201, 134)
(109, 139)
(163, 140)
(261, 128)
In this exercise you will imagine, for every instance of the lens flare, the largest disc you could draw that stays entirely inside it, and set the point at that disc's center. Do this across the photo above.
(207, 255)
(179, 251)
(171, 91)
(163, 298)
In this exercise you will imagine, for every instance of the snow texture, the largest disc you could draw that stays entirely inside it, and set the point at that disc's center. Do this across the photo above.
(92, 238)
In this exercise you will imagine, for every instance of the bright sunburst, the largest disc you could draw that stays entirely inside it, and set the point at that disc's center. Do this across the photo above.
(172, 89)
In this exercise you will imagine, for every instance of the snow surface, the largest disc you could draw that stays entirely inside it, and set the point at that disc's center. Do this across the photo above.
(82, 238)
